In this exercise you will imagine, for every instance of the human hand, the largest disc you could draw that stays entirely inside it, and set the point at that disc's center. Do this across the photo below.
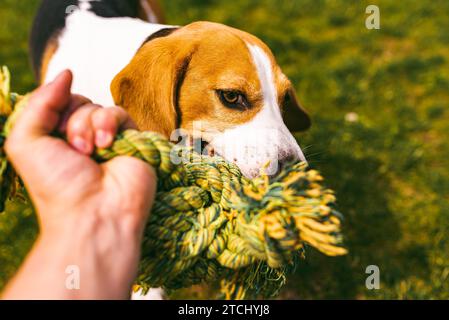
(96, 211)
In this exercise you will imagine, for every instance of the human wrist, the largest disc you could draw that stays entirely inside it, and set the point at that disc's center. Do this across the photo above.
(84, 228)
(86, 224)
(102, 253)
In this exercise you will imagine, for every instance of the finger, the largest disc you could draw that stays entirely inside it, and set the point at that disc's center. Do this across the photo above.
(44, 109)
(80, 131)
(107, 122)
(76, 101)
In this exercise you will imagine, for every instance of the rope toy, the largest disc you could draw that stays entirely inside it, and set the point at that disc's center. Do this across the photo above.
(209, 222)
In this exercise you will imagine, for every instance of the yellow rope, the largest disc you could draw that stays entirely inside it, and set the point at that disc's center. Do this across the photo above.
(211, 223)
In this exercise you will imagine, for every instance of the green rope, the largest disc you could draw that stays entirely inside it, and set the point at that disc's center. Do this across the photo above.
(209, 222)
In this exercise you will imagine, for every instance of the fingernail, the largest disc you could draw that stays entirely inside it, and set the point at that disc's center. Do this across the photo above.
(103, 139)
(81, 145)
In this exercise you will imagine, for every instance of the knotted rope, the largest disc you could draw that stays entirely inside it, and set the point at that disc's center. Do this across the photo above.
(209, 222)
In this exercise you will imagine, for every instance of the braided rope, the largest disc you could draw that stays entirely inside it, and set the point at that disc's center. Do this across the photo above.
(209, 222)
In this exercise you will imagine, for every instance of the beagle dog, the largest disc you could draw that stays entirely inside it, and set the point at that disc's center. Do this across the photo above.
(222, 86)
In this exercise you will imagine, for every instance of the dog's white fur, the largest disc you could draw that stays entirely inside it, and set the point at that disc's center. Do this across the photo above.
(89, 47)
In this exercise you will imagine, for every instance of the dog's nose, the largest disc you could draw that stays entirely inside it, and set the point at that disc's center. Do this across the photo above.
(286, 160)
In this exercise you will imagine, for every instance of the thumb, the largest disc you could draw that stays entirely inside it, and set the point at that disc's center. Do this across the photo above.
(44, 110)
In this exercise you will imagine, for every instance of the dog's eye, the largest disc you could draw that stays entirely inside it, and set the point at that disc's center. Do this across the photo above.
(233, 99)
(231, 96)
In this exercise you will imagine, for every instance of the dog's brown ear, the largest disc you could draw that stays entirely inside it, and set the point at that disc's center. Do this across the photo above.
(295, 117)
(148, 86)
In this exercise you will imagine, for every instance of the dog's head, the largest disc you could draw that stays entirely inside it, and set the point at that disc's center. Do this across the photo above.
(219, 84)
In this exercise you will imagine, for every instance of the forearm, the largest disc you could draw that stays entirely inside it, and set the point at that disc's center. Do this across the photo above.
(88, 260)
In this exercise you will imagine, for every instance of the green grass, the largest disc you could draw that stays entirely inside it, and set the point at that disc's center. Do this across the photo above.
(389, 168)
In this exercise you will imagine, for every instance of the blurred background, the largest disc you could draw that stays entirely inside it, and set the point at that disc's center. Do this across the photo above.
(379, 101)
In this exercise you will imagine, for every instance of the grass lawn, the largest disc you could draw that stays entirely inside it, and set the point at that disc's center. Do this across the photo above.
(379, 100)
